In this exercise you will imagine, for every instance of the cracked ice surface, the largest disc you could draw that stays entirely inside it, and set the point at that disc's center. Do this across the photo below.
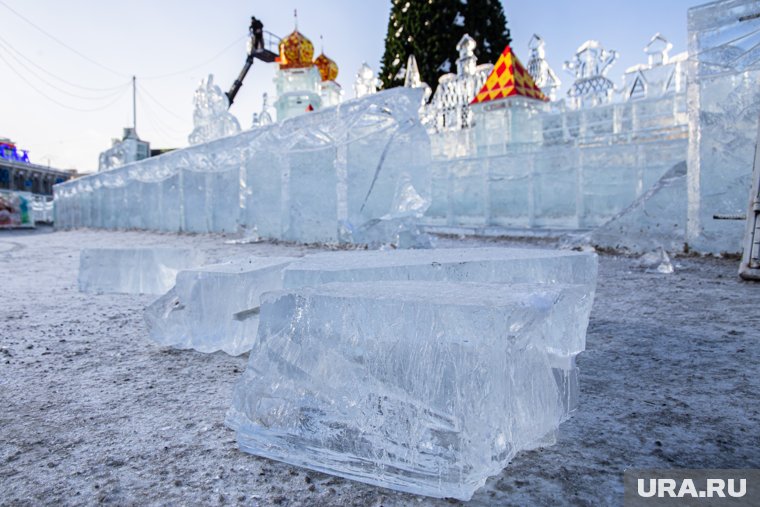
(426, 387)
(133, 270)
(215, 307)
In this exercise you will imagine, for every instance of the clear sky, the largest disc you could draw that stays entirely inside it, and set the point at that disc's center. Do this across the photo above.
(65, 89)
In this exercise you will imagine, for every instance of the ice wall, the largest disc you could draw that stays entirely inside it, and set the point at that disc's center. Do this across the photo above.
(315, 177)
(655, 220)
(724, 106)
(571, 169)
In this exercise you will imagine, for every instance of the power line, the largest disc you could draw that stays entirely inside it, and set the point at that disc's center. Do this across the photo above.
(190, 69)
(56, 88)
(59, 41)
(167, 129)
(55, 76)
(81, 110)
(158, 102)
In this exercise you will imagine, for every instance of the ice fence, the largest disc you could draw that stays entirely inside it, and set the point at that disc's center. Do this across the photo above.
(316, 177)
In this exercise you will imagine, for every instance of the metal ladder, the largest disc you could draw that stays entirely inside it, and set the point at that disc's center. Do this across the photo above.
(750, 265)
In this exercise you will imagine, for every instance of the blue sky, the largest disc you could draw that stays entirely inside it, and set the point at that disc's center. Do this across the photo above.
(65, 89)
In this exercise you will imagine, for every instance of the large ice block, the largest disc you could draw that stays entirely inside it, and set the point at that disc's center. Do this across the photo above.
(487, 265)
(133, 270)
(425, 387)
(215, 307)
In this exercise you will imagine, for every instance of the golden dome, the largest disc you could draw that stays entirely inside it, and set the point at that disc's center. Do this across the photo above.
(328, 69)
(296, 51)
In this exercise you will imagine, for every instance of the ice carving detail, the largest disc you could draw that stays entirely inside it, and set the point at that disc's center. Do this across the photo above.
(211, 120)
(590, 66)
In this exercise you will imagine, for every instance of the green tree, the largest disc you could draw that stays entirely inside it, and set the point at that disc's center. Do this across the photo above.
(484, 20)
(430, 30)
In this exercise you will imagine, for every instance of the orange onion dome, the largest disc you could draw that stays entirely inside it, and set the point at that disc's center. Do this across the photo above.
(296, 51)
(328, 69)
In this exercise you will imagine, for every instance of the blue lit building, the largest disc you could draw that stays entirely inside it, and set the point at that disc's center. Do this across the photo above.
(18, 173)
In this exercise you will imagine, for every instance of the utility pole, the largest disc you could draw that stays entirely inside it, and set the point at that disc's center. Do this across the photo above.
(134, 103)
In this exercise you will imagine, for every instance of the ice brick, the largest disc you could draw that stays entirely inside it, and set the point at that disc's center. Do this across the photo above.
(425, 387)
(487, 265)
(133, 270)
(215, 307)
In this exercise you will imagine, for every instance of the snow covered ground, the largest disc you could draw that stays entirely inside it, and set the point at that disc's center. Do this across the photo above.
(92, 411)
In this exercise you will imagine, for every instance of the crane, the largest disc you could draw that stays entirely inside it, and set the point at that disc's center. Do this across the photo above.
(261, 45)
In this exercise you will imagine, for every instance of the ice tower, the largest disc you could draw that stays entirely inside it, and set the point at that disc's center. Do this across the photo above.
(330, 91)
(298, 78)
(506, 107)
(304, 83)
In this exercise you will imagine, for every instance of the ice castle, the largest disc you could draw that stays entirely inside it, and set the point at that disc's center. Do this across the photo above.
(646, 165)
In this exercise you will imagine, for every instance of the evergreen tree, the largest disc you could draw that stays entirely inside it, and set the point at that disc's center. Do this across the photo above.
(430, 30)
(484, 20)
(421, 28)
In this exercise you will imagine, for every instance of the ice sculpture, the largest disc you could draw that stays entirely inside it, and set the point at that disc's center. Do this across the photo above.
(590, 66)
(538, 67)
(662, 74)
(724, 107)
(366, 83)
(425, 387)
(215, 307)
(133, 270)
(264, 117)
(412, 78)
(449, 108)
(211, 120)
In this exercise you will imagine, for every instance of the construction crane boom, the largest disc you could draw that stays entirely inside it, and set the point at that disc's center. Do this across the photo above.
(261, 45)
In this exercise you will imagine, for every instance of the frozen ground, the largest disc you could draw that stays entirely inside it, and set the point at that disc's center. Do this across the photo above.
(92, 411)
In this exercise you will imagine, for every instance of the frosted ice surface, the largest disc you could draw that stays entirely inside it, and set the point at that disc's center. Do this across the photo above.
(133, 270)
(425, 387)
(215, 307)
